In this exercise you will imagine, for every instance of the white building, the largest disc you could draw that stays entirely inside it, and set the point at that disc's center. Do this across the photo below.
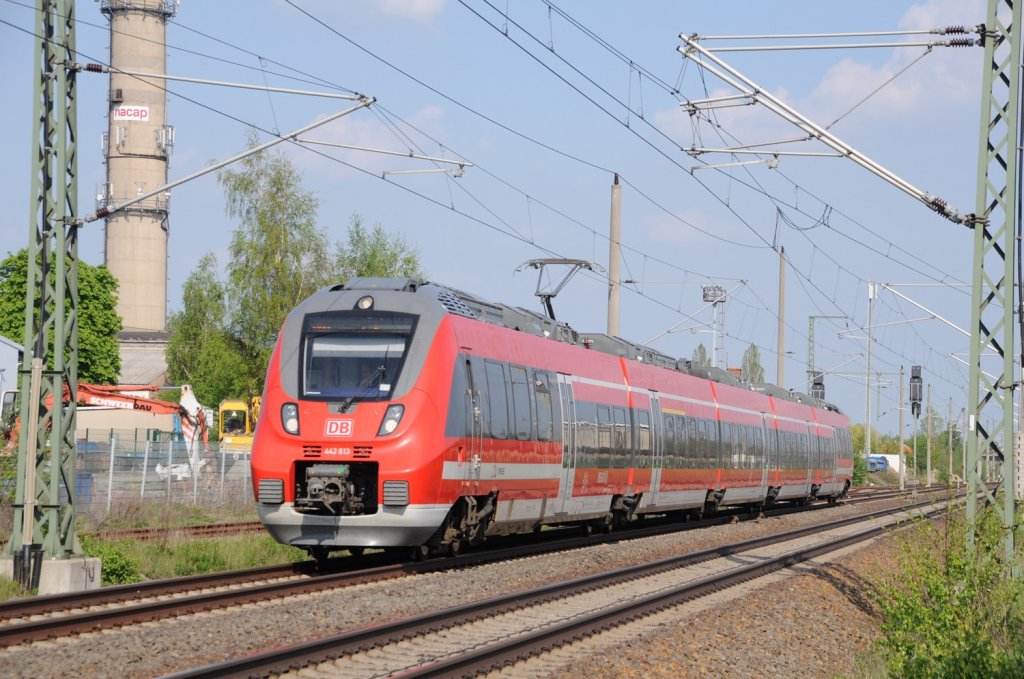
(10, 362)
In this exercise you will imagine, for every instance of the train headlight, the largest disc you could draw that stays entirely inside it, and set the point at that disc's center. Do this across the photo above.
(290, 418)
(391, 419)
(365, 303)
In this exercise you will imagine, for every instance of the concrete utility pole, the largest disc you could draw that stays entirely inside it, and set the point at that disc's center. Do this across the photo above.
(928, 439)
(949, 436)
(902, 458)
(614, 259)
(782, 316)
(867, 380)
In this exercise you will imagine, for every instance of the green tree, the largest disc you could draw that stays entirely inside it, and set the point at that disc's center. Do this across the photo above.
(201, 351)
(99, 360)
(221, 341)
(700, 356)
(376, 253)
(751, 366)
(279, 255)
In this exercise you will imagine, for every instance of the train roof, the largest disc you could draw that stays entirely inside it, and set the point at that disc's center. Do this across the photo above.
(517, 318)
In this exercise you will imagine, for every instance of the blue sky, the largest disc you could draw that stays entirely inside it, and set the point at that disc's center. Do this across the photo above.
(548, 102)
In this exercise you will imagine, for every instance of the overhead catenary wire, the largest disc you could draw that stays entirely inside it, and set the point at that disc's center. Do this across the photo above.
(640, 192)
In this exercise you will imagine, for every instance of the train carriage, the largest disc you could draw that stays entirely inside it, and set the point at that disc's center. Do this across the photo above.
(404, 414)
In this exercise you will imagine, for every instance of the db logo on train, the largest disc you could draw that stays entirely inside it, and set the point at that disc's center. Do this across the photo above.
(338, 428)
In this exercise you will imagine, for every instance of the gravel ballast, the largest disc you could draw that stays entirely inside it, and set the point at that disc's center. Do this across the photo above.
(815, 619)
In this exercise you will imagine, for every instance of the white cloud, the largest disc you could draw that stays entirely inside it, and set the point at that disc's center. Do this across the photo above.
(945, 77)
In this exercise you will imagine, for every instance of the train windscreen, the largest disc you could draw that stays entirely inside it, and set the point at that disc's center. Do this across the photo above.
(360, 368)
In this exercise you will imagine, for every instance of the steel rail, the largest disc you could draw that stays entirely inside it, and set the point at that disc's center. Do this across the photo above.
(381, 567)
(304, 654)
(522, 647)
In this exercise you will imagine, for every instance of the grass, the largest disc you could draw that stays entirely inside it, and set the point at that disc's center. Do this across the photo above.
(127, 561)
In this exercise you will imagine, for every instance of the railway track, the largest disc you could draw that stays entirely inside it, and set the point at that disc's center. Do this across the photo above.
(495, 632)
(210, 530)
(61, 615)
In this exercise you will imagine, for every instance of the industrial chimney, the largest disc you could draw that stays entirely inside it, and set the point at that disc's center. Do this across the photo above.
(136, 148)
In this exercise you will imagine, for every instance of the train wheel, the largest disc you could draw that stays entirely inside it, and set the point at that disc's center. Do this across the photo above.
(587, 529)
(320, 554)
(419, 553)
(454, 547)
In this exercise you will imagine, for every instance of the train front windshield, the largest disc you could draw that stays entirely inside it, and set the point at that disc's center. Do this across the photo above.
(360, 368)
(354, 355)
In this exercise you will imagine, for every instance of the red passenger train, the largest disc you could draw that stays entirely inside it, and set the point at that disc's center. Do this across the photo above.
(401, 414)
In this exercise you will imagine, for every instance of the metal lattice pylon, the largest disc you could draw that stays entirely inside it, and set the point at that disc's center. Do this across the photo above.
(991, 398)
(44, 495)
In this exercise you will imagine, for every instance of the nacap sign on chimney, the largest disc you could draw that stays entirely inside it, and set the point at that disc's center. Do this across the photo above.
(139, 113)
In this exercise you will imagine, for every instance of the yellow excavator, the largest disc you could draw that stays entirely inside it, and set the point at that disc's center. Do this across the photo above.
(238, 422)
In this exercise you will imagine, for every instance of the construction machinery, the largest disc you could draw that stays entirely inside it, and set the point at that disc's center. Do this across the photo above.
(237, 419)
(189, 412)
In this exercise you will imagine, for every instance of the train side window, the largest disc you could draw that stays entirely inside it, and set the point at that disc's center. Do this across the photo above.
(728, 449)
(522, 415)
(669, 452)
(688, 446)
(460, 402)
(542, 397)
(498, 399)
(604, 436)
(586, 434)
(703, 445)
(754, 449)
(620, 438)
(644, 434)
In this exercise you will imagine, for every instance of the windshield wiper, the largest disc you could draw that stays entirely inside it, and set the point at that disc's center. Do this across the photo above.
(371, 381)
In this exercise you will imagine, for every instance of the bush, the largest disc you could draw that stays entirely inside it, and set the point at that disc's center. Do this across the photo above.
(949, 614)
(116, 567)
(860, 468)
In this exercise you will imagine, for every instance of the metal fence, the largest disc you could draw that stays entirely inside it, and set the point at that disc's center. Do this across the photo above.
(121, 471)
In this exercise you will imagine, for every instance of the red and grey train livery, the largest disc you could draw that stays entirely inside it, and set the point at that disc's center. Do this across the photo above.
(406, 414)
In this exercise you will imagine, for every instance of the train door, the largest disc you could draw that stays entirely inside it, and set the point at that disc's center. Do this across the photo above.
(814, 454)
(765, 449)
(809, 453)
(828, 454)
(568, 411)
(657, 451)
(474, 424)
